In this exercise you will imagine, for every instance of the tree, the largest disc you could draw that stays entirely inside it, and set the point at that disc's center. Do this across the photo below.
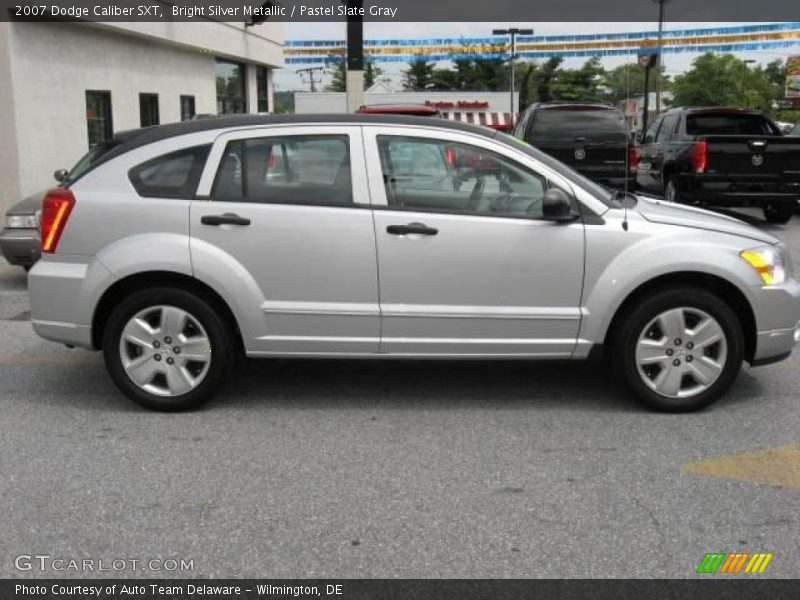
(372, 73)
(723, 80)
(339, 77)
(579, 84)
(446, 79)
(626, 81)
(544, 78)
(419, 74)
(526, 74)
(491, 74)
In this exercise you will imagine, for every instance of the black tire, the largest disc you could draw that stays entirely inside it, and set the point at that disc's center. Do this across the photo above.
(672, 192)
(779, 212)
(218, 330)
(625, 339)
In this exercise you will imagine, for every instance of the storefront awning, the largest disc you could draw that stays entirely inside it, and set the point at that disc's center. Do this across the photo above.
(495, 120)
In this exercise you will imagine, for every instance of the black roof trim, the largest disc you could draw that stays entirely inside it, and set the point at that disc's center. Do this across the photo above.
(136, 138)
(698, 109)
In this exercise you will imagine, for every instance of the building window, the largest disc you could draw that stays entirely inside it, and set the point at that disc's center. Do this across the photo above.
(231, 89)
(148, 109)
(98, 117)
(262, 89)
(187, 108)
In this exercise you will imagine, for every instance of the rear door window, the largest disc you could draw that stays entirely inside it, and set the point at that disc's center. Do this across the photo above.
(731, 124)
(309, 169)
(173, 175)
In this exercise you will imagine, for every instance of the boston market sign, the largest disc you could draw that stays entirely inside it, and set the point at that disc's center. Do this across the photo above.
(460, 104)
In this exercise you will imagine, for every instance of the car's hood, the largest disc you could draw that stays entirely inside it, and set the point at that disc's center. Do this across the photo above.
(29, 206)
(659, 211)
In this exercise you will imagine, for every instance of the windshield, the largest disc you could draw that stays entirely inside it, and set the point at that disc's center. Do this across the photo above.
(88, 159)
(606, 196)
(571, 123)
(796, 130)
(730, 124)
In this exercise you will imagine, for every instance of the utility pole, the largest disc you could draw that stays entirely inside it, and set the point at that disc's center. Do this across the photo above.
(744, 77)
(355, 54)
(310, 73)
(661, 4)
(646, 61)
(513, 32)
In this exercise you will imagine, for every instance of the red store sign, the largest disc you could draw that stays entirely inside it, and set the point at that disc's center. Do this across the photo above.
(460, 104)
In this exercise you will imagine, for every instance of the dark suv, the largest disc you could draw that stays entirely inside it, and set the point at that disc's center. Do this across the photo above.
(591, 138)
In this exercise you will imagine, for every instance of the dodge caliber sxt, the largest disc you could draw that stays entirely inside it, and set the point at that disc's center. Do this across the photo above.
(370, 236)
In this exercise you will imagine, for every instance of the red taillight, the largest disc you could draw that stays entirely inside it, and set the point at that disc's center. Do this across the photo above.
(633, 159)
(271, 161)
(56, 206)
(699, 150)
(450, 156)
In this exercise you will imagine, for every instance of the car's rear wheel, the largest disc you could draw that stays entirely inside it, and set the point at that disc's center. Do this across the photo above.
(679, 350)
(779, 212)
(167, 349)
(671, 191)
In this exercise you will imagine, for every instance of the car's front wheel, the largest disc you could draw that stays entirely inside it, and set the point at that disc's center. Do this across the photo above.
(167, 349)
(779, 212)
(679, 350)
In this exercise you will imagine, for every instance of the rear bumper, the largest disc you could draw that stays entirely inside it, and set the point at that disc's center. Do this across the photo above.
(20, 246)
(739, 191)
(64, 291)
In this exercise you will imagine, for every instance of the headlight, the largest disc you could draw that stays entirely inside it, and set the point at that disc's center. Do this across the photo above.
(772, 263)
(21, 222)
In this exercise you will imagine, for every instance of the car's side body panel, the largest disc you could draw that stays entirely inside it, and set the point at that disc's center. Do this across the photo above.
(483, 285)
(308, 272)
(327, 280)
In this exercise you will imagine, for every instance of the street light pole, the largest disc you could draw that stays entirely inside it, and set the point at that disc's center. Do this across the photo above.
(744, 77)
(513, 32)
(661, 4)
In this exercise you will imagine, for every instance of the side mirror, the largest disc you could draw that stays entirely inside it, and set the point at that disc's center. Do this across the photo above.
(61, 175)
(556, 206)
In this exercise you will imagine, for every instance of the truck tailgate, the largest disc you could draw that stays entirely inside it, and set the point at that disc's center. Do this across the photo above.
(770, 157)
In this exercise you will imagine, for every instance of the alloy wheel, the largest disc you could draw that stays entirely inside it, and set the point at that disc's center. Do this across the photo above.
(681, 352)
(165, 350)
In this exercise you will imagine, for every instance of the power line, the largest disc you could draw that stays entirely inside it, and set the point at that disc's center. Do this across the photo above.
(309, 74)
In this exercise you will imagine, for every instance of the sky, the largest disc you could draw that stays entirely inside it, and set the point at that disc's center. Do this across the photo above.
(286, 79)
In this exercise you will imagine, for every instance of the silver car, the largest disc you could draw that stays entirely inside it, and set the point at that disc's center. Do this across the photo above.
(393, 237)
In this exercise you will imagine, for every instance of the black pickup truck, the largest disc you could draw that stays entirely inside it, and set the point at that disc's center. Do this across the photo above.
(591, 138)
(723, 157)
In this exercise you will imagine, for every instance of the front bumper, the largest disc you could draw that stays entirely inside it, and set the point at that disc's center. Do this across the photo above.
(777, 310)
(20, 246)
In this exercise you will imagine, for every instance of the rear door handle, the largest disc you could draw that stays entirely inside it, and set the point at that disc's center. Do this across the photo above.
(226, 219)
(411, 228)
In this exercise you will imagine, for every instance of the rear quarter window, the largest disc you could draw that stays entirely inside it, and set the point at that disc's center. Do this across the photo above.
(173, 175)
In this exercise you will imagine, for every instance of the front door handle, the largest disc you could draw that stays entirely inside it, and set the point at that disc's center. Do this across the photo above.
(226, 219)
(411, 228)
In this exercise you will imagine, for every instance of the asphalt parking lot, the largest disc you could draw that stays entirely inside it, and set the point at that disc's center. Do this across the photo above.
(391, 469)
